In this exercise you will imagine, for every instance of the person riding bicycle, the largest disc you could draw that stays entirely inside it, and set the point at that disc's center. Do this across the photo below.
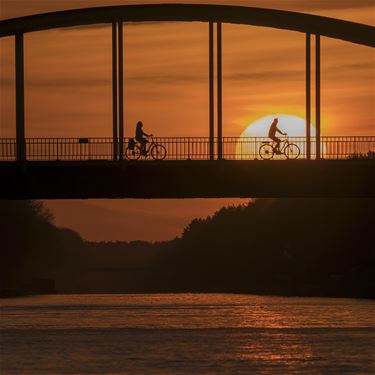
(272, 134)
(139, 136)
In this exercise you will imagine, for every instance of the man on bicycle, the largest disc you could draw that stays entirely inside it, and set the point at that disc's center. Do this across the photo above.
(272, 134)
(139, 133)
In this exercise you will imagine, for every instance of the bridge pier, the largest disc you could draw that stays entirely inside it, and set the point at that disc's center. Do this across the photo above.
(20, 98)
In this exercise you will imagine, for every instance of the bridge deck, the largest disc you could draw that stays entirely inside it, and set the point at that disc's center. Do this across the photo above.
(187, 179)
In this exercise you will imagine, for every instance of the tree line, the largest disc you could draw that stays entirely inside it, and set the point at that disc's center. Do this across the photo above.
(302, 246)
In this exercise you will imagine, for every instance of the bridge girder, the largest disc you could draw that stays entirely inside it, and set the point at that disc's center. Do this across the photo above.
(188, 179)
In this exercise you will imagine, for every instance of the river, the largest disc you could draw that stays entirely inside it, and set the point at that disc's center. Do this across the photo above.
(186, 334)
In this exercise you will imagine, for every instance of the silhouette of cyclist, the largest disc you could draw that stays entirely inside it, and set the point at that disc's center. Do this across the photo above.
(272, 134)
(139, 136)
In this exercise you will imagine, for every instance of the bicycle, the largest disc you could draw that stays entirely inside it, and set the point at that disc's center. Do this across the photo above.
(269, 149)
(134, 150)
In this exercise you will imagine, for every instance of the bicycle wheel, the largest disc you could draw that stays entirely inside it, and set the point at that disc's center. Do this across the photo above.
(292, 151)
(133, 154)
(158, 152)
(266, 151)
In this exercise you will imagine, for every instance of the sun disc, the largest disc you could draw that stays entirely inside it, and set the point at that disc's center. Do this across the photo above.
(252, 137)
(294, 126)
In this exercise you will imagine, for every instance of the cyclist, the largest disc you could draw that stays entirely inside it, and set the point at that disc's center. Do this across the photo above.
(139, 136)
(272, 134)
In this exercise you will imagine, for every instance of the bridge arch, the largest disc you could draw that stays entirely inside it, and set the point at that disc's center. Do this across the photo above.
(213, 15)
(306, 23)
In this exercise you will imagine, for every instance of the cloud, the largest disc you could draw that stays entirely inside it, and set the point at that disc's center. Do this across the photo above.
(267, 75)
(106, 25)
(156, 79)
(59, 82)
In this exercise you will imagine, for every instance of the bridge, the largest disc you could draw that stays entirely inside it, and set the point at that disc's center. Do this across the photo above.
(212, 166)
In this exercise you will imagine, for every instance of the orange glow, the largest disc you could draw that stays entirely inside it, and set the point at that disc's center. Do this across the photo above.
(68, 80)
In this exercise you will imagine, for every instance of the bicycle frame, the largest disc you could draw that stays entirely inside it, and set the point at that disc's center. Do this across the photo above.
(283, 144)
(290, 150)
(148, 147)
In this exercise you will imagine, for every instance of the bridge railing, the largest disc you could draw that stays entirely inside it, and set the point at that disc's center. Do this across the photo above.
(348, 147)
(69, 149)
(8, 149)
(182, 148)
(186, 148)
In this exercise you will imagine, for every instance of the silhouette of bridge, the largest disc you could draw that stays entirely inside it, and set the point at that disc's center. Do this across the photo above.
(195, 167)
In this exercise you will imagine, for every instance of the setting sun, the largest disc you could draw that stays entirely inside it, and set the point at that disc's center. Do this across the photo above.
(252, 138)
(294, 126)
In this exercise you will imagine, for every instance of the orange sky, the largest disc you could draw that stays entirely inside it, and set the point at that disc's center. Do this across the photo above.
(68, 92)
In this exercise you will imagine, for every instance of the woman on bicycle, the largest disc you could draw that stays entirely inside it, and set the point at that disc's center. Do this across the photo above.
(139, 136)
(272, 134)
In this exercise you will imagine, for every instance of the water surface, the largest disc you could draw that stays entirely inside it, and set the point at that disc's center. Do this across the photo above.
(186, 334)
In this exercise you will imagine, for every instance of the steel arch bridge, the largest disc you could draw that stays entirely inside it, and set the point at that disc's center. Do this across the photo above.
(214, 15)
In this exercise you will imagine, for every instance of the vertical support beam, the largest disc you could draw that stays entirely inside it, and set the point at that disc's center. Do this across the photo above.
(219, 94)
(308, 96)
(211, 87)
(121, 90)
(114, 91)
(317, 94)
(20, 98)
